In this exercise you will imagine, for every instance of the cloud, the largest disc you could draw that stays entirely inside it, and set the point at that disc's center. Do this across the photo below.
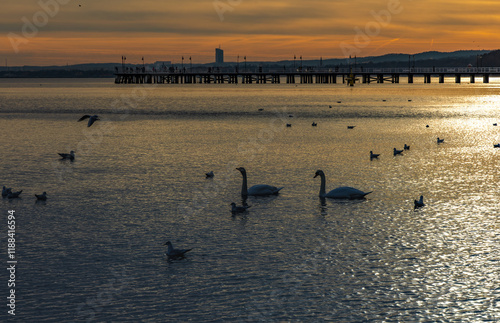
(263, 29)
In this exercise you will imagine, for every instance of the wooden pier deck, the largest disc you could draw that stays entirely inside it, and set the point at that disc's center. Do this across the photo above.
(333, 76)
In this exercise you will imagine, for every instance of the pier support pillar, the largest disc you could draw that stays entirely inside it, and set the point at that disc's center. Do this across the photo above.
(472, 79)
(441, 78)
(458, 78)
(486, 78)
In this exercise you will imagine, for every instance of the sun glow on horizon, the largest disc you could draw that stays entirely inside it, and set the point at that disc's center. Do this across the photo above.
(260, 30)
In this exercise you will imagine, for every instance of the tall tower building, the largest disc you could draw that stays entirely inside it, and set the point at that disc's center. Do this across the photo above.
(219, 55)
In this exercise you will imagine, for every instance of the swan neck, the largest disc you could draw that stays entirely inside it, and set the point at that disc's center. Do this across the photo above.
(244, 187)
(322, 190)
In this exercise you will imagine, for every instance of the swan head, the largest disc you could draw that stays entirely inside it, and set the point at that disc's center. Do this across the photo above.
(318, 173)
(168, 243)
(242, 170)
(233, 204)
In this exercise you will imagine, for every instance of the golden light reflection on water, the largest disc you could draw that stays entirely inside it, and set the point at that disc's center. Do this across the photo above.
(375, 260)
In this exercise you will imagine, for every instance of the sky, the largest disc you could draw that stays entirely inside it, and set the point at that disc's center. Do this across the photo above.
(60, 32)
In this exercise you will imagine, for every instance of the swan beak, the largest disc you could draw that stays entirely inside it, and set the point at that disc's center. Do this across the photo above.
(315, 175)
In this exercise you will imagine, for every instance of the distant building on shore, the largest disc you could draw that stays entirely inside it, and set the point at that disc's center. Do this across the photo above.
(219, 56)
(162, 65)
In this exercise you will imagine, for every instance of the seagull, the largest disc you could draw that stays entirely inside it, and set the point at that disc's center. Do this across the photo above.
(330, 106)
(496, 145)
(13, 195)
(397, 152)
(238, 209)
(42, 197)
(427, 126)
(261, 109)
(440, 140)
(288, 124)
(210, 174)
(92, 119)
(175, 253)
(372, 155)
(70, 156)
(350, 127)
(419, 203)
(406, 147)
(6, 191)
(314, 124)
(495, 124)
(339, 101)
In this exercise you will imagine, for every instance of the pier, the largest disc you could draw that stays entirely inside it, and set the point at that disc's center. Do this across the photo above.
(330, 76)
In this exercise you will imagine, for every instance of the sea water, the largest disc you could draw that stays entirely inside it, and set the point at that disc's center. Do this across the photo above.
(94, 251)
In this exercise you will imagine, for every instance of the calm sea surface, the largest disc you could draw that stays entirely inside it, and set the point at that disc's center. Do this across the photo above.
(94, 251)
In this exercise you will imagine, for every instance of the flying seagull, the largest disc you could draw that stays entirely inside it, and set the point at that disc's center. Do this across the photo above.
(92, 119)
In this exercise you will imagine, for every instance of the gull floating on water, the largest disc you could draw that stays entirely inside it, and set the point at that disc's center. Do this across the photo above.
(496, 145)
(92, 119)
(13, 195)
(239, 209)
(440, 140)
(406, 147)
(314, 124)
(210, 174)
(42, 197)
(175, 253)
(70, 156)
(372, 155)
(6, 191)
(344, 192)
(350, 127)
(419, 203)
(397, 152)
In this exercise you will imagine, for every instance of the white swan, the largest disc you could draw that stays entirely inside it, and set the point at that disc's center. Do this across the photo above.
(256, 190)
(343, 192)
(419, 203)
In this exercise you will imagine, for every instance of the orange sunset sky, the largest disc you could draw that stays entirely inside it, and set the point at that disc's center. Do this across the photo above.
(60, 32)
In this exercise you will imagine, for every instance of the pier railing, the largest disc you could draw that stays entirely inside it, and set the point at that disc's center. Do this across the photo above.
(307, 75)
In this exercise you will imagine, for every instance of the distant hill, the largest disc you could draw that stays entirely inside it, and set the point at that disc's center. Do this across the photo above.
(426, 59)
